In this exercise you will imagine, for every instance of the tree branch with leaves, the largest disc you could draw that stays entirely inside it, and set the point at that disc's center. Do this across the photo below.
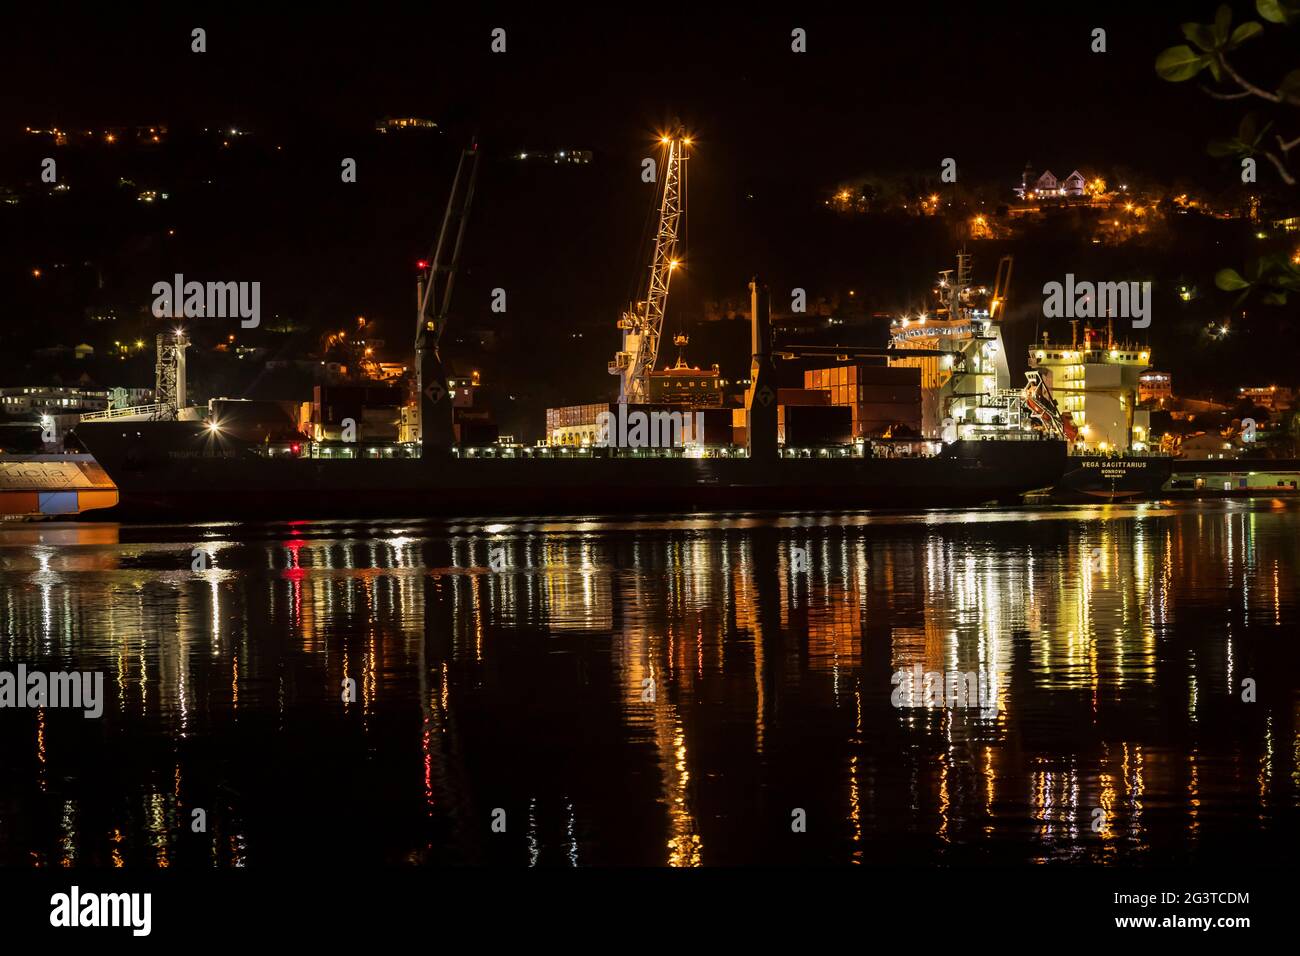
(1210, 49)
(1213, 43)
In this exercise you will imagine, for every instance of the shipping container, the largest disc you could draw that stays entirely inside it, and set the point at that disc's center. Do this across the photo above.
(895, 394)
(333, 403)
(861, 375)
(803, 396)
(813, 425)
(717, 426)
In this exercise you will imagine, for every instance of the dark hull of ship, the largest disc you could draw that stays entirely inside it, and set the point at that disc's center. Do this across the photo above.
(1114, 478)
(174, 471)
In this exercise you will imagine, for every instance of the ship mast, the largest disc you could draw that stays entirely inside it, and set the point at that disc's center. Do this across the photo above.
(642, 324)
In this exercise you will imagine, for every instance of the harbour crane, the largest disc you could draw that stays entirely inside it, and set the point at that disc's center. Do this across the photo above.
(433, 292)
(643, 322)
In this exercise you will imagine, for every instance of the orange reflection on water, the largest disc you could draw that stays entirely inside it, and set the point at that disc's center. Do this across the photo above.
(1116, 641)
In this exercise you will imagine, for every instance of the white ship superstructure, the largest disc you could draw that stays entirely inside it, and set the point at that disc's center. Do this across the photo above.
(1095, 380)
(966, 388)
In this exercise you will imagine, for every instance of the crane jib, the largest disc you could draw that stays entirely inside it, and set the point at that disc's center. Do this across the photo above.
(642, 324)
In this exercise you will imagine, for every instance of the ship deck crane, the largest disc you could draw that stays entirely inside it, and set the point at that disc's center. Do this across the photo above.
(434, 286)
(642, 324)
(1001, 289)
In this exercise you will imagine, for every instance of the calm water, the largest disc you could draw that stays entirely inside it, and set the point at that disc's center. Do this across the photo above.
(659, 691)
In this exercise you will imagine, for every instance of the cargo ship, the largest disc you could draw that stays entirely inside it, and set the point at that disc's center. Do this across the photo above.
(183, 470)
(176, 471)
(1084, 393)
(1113, 477)
(176, 462)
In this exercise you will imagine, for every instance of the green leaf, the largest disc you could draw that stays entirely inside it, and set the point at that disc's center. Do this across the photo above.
(1257, 134)
(1202, 36)
(1271, 11)
(1230, 280)
(1243, 33)
(1288, 277)
(1269, 262)
(1290, 84)
(1222, 21)
(1274, 11)
(1179, 63)
(1273, 298)
(1248, 131)
(1220, 148)
(1216, 70)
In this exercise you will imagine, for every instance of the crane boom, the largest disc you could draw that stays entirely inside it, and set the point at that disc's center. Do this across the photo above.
(436, 431)
(643, 322)
(1001, 289)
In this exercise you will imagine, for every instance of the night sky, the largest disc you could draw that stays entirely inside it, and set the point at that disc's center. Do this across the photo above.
(994, 84)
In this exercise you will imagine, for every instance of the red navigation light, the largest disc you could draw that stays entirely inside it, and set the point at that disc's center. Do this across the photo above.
(422, 265)
(295, 448)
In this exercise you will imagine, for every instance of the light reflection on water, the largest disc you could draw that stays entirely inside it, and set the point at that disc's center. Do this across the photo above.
(659, 691)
